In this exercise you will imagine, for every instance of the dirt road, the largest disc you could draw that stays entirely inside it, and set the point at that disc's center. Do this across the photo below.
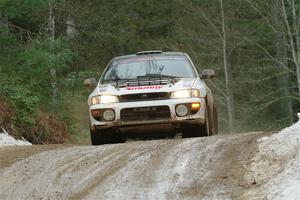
(215, 167)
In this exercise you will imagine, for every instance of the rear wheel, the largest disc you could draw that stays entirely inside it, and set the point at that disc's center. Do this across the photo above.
(105, 136)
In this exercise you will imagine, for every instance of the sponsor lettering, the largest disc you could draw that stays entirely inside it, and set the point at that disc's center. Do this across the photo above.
(150, 87)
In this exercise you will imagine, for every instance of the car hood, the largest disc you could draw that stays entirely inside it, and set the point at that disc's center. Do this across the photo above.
(171, 86)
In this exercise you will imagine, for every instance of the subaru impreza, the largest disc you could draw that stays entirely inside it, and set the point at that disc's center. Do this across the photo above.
(151, 93)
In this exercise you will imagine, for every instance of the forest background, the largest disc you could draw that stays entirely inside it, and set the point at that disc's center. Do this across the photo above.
(48, 47)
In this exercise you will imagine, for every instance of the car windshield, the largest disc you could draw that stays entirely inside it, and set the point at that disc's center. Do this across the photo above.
(149, 67)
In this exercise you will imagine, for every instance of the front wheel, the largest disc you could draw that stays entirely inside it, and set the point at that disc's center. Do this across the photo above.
(197, 130)
(105, 136)
(210, 127)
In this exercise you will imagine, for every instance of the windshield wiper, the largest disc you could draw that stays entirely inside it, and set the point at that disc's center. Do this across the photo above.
(147, 76)
(117, 80)
(157, 76)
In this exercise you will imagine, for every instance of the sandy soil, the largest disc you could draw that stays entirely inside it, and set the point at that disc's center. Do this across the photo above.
(196, 168)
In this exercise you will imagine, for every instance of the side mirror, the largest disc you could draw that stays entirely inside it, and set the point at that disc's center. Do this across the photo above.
(208, 74)
(90, 83)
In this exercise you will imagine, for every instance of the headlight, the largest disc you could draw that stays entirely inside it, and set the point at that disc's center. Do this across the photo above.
(104, 99)
(185, 94)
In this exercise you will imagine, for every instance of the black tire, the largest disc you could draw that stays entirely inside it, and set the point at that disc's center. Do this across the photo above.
(209, 128)
(197, 130)
(105, 136)
(212, 118)
(194, 131)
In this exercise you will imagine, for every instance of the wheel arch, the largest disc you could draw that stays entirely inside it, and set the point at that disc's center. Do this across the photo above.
(212, 112)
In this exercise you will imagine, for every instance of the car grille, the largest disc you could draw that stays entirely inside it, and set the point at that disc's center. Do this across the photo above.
(144, 97)
(145, 113)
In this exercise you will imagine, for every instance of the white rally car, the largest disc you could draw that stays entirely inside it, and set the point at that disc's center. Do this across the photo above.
(151, 93)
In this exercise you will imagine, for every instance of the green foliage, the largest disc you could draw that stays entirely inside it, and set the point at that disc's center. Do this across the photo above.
(104, 29)
(19, 8)
(39, 57)
(24, 102)
(25, 73)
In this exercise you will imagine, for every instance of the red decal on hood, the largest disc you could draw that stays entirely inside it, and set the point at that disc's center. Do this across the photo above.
(148, 87)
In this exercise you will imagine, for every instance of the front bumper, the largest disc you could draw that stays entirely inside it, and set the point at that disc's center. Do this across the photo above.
(174, 120)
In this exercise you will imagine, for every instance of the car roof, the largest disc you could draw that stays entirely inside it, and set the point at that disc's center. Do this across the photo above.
(150, 54)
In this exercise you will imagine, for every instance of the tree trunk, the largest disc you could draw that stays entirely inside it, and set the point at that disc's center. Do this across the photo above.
(280, 42)
(229, 96)
(296, 22)
(51, 29)
(3, 21)
(294, 38)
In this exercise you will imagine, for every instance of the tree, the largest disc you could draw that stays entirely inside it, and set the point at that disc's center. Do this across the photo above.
(281, 56)
(222, 47)
(293, 32)
(229, 97)
(51, 29)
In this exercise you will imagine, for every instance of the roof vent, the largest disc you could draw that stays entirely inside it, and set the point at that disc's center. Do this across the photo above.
(149, 52)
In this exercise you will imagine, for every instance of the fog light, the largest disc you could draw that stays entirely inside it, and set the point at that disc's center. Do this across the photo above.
(96, 113)
(182, 110)
(108, 115)
(195, 106)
